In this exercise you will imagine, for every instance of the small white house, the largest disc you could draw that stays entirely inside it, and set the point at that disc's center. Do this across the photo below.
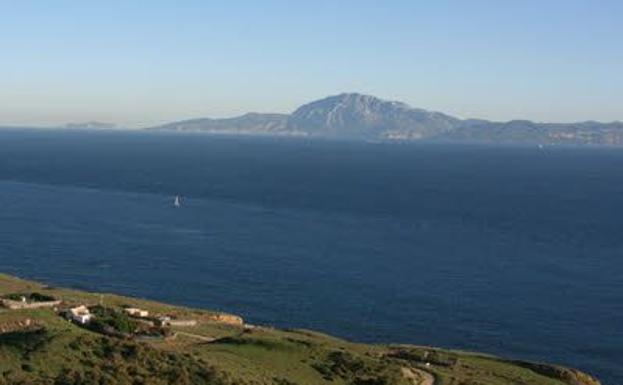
(163, 320)
(136, 312)
(81, 314)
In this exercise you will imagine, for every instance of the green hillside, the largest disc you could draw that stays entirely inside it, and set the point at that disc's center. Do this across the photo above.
(42, 346)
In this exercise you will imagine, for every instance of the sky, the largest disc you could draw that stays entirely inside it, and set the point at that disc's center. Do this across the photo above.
(138, 63)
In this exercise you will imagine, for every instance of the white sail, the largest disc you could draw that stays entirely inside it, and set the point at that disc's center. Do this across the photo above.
(177, 202)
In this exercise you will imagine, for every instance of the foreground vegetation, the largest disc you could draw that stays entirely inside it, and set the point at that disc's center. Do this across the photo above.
(38, 346)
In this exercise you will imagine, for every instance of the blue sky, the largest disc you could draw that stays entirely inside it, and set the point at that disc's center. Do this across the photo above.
(141, 62)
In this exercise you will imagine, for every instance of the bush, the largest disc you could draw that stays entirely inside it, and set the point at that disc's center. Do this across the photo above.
(38, 297)
(14, 296)
(25, 341)
(117, 362)
(421, 356)
(343, 365)
(109, 320)
(34, 297)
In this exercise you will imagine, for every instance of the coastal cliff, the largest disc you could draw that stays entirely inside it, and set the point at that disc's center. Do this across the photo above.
(134, 341)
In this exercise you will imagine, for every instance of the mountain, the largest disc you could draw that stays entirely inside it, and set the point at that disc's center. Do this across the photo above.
(363, 116)
(249, 123)
(357, 116)
(523, 131)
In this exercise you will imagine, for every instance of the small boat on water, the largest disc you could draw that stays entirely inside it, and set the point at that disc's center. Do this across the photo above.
(178, 201)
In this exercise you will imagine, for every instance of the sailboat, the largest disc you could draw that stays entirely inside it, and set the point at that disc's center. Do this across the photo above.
(178, 201)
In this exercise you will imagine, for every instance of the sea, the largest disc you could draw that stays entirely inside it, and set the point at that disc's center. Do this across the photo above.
(509, 250)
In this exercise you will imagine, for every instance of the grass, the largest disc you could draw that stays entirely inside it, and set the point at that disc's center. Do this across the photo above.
(56, 352)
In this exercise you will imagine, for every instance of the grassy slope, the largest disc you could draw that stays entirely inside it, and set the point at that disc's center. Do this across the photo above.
(58, 352)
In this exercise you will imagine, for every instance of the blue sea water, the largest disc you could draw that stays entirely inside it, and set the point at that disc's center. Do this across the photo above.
(515, 251)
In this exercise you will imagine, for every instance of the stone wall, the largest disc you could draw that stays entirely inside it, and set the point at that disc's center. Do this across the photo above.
(15, 305)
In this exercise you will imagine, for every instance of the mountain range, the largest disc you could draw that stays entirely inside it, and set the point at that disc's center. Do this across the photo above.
(363, 117)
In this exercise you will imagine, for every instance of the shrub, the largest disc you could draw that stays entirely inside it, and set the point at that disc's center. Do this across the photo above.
(109, 320)
(34, 297)
(38, 297)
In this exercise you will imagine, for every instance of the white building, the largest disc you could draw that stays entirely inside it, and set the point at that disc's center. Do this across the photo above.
(163, 320)
(81, 314)
(168, 321)
(136, 312)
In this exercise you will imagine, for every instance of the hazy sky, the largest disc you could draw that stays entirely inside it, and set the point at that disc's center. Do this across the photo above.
(142, 62)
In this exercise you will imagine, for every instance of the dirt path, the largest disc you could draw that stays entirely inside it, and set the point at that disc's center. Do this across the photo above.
(418, 376)
(196, 336)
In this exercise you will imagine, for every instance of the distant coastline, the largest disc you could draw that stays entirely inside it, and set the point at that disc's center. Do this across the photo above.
(353, 116)
(363, 117)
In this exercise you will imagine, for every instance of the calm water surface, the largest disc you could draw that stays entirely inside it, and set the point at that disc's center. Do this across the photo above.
(509, 250)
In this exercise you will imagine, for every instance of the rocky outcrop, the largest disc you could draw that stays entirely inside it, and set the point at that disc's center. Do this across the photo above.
(566, 375)
(229, 319)
(18, 326)
(438, 358)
